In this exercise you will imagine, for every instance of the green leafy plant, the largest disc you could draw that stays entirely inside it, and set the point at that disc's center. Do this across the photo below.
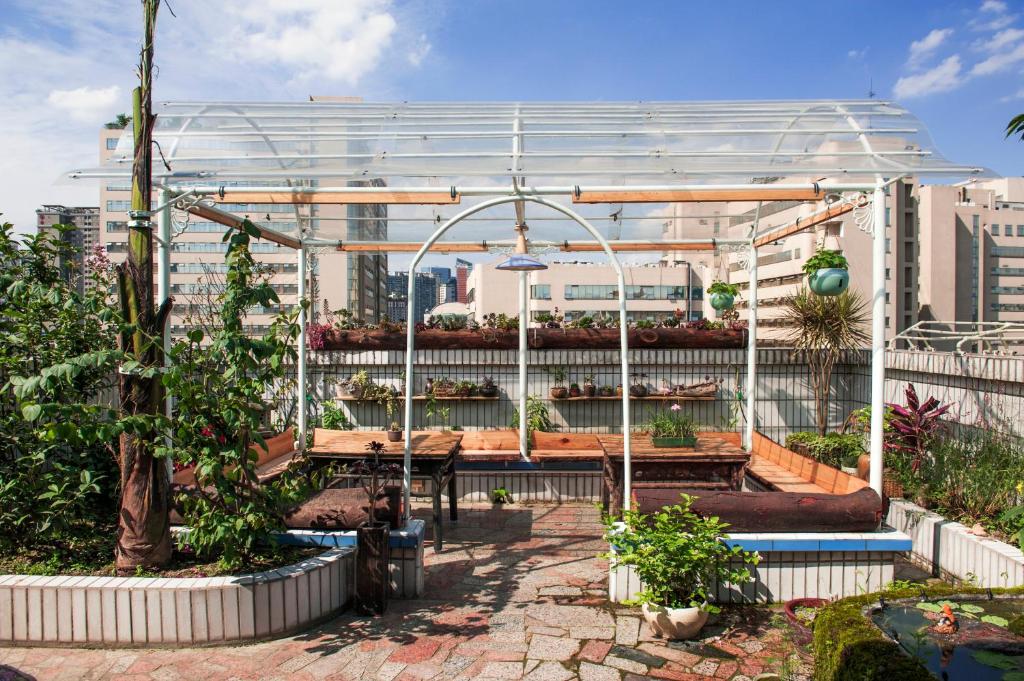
(719, 286)
(1016, 126)
(537, 417)
(435, 413)
(824, 259)
(559, 374)
(334, 418)
(678, 555)
(500, 495)
(670, 423)
(219, 384)
(822, 329)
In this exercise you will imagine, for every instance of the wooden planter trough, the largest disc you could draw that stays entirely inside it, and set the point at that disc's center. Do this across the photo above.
(547, 339)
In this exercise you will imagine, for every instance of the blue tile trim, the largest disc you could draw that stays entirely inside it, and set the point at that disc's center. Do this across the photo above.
(409, 537)
(883, 540)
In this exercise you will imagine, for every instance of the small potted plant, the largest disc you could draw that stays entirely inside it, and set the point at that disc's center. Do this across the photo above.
(372, 537)
(574, 390)
(679, 557)
(606, 391)
(801, 613)
(464, 388)
(558, 390)
(488, 388)
(827, 272)
(443, 387)
(723, 295)
(359, 384)
(589, 389)
(639, 387)
(672, 428)
(395, 432)
(500, 495)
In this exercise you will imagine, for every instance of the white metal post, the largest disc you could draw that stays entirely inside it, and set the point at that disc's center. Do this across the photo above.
(877, 337)
(524, 441)
(748, 437)
(410, 386)
(627, 437)
(163, 292)
(301, 378)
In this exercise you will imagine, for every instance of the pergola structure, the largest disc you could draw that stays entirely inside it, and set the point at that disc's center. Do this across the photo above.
(610, 169)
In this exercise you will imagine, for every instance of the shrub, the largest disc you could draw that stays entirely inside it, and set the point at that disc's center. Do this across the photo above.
(833, 449)
(723, 287)
(537, 417)
(671, 423)
(58, 472)
(825, 259)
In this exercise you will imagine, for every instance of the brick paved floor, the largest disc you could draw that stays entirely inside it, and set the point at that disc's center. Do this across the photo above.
(518, 592)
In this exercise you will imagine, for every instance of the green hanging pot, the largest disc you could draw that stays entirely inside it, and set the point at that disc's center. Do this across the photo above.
(721, 301)
(829, 282)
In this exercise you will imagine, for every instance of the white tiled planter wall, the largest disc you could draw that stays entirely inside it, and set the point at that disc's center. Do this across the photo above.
(950, 551)
(131, 611)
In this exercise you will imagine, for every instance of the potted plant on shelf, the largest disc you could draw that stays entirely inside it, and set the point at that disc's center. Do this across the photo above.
(359, 384)
(558, 390)
(395, 432)
(589, 389)
(827, 272)
(606, 391)
(372, 556)
(464, 388)
(679, 557)
(443, 387)
(488, 388)
(672, 428)
(574, 390)
(723, 295)
(639, 387)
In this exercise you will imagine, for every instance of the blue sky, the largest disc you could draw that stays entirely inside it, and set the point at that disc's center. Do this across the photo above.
(66, 66)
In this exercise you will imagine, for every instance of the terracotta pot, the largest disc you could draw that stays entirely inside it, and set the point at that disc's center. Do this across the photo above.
(618, 390)
(575, 392)
(559, 392)
(674, 623)
(803, 633)
(394, 436)
(589, 390)
(863, 466)
(373, 584)
(638, 391)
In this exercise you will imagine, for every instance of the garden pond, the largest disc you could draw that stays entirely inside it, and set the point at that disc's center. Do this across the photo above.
(984, 648)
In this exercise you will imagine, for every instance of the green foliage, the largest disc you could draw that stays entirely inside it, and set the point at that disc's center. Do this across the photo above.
(670, 423)
(500, 322)
(537, 417)
(718, 286)
(434, 410)
(678, 555)
(1016, 126)
(334, 418)
(500, 495)
(832, 449)
(58, 354)
(825, 259)
(559, 374)
(219, 385)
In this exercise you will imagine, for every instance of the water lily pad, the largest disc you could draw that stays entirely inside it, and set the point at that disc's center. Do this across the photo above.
(1013, 676)
(928, 607)
(952, 604)
(997, 660)
(971, 607)
(968, 615)
(996, 620)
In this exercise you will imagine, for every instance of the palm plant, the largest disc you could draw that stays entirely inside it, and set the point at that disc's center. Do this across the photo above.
(1016, 126)
(822, 328)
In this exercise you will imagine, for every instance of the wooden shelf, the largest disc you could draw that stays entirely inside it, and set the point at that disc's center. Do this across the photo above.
(656, 398)
(423, 398)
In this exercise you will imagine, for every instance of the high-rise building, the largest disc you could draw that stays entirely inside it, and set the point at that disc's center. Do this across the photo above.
(578, 289)
(462, 270)
(427, 284)
(85, 236)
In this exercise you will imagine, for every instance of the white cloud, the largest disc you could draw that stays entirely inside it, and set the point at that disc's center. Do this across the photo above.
(857, 54)
(994, 6)
(1014, 97)
(999, 62)
(942, 78)
(925, 47)
(86, 104)
(420, 51)
(1001, 40)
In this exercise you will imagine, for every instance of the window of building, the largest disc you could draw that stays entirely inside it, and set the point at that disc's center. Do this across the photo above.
(908, 275)
(888, 216)
(1007, 230)
(540, 291)
(117, 226)
(633, 292)
(908, 250)
(975, 221)
(888, 274)
(112, 143)
(1020, 230)
(119, 206)
(888, 246)
(994, 229)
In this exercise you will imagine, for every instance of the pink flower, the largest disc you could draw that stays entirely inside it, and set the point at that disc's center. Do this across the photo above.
(676, 407)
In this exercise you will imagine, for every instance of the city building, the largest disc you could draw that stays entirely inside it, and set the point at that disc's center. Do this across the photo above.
(427, 285)
(85, 236)
(462, 270)
(578, 289)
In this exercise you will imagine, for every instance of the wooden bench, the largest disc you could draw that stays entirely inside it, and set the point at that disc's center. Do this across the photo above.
(271, 462)
(489, 445)
(579, 447)
(784, 470)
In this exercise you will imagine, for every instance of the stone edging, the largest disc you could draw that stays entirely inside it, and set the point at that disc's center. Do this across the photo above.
(155, 612)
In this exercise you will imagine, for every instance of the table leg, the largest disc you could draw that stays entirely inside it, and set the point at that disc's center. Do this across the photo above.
(438, 520)
(453, 498)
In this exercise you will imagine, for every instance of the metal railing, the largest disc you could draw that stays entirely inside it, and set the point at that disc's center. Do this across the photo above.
(1001, 338)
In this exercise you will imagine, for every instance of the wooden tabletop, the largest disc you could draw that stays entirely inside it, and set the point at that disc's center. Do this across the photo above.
(566, 447)
(426, 444)
(707, 449)
(490, 445)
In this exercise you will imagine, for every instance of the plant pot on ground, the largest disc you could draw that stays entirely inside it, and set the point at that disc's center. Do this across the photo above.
(678, 556)
(373, 583)
(801, 613)
(827, 272)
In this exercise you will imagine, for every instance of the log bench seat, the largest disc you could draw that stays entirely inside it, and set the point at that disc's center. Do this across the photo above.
(783, 470)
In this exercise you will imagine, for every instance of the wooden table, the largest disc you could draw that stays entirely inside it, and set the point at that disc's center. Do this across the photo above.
(490, 446)
(566, 447)
(713, 464)
(433, 457)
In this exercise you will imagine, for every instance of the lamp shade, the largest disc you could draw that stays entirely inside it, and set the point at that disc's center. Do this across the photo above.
(517, 262)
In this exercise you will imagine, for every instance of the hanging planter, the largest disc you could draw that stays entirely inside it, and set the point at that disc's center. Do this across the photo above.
(827, 273)
(723, 295)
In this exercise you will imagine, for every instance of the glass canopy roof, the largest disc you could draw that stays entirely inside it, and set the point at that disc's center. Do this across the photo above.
(456, 144)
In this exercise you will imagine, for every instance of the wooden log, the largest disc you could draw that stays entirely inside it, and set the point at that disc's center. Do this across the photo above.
(859, 511)
(546, 339)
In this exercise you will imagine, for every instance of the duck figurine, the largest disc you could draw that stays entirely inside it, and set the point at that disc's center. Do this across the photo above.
(948, 623)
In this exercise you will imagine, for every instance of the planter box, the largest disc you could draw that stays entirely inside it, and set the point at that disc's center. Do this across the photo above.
(174, 613)
(950, 551)
(548, 339)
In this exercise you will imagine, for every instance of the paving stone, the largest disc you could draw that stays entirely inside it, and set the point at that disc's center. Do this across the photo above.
(502, 670)
(549, 671)
(561, 591)
(627, 630)
(592, 632)
(552, 648)
(596, 672)
(637, 655)
(594, 651)
(706, 668)
(624, 664)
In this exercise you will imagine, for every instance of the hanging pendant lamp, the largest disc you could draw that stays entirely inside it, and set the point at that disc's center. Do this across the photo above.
(521, 260)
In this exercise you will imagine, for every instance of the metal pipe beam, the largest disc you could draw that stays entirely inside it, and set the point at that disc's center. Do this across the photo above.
(301, 372)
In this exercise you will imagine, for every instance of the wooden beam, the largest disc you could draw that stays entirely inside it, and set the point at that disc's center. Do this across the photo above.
(803, 224)
(484, 247)
(635, 248)
(218, 216)
(765, 193)
(311, 196)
